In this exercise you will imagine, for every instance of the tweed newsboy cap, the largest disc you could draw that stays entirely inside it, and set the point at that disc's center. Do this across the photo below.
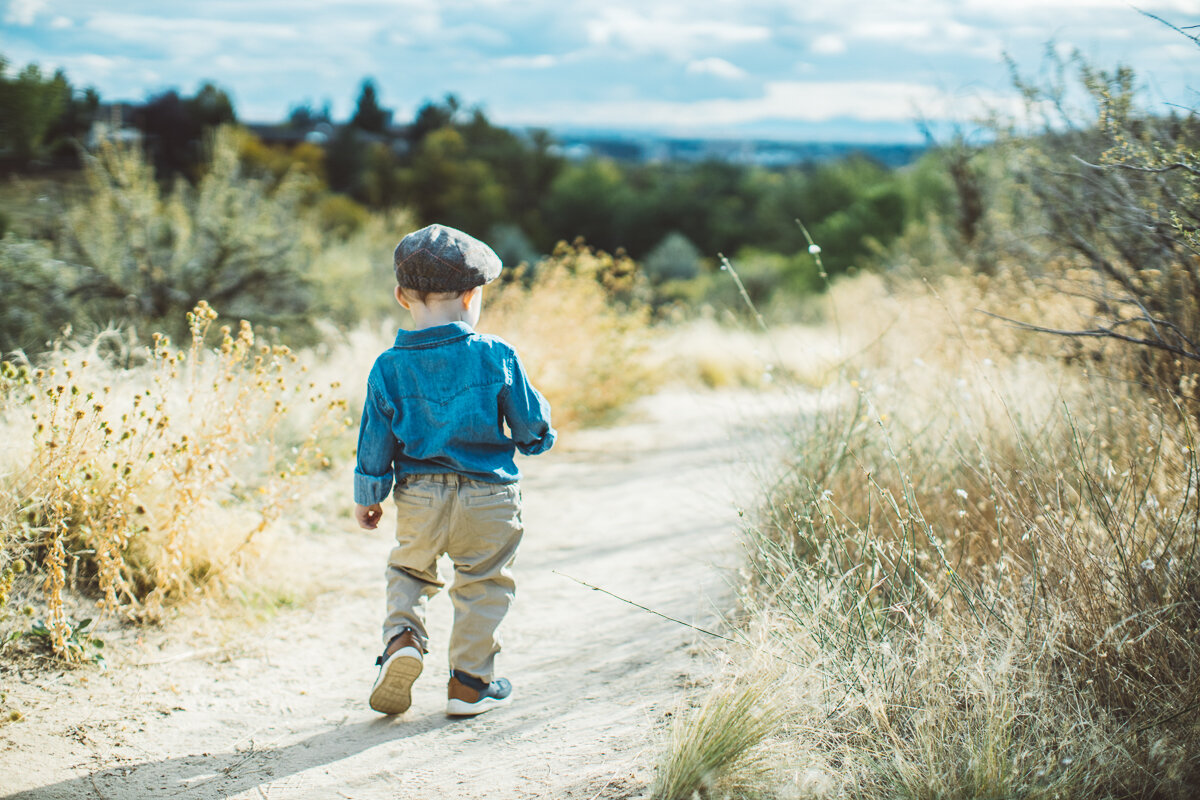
(441, 259)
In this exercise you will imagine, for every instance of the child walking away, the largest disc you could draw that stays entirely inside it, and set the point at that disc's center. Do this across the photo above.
(433, 425)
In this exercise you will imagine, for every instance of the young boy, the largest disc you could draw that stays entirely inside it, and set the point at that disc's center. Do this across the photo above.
(434, 424)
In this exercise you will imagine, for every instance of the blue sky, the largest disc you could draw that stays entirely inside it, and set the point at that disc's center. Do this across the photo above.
(796, 70)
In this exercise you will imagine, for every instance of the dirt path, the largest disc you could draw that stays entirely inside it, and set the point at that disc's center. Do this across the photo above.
(645, 510)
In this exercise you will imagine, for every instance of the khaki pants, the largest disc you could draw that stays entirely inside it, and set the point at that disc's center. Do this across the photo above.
(479, 526)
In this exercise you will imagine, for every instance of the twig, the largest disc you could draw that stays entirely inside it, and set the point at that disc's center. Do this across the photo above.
(1174, 27)
(1098, 333)
(184, 656)
(1168, 167)
(725, 265)
(676, 621)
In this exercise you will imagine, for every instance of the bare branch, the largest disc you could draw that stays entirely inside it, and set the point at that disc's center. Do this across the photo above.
(1170, 25)
(1132, 168)
(1100, 332)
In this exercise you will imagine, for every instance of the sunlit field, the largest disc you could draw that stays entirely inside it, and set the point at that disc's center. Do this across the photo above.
(973, 573)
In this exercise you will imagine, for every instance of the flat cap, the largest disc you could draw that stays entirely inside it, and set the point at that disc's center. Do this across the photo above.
(441, 259)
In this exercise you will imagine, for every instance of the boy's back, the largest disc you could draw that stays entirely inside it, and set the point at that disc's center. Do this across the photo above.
(440, 400)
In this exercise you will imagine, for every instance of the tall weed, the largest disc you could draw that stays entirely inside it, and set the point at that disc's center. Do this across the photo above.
(150, 483)
(985, 563)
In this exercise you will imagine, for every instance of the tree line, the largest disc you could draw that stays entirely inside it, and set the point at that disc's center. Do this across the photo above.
(514, 187)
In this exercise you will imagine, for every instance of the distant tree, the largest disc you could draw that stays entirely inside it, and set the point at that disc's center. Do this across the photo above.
(211, 107)
(383, 181)
(175, 126)
(512, 245)
(449, 185)
(171, 137)
(345, 160)
(433, 116)
(593, 200)
(674, 258)
(303, 117)
(369, 116)
(30, 103)
(73, 124)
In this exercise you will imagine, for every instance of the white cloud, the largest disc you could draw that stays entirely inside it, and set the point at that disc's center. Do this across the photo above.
(60, 22)
(927, 35)
(718, 67)
(23, 12)
(1008, 7)
(146, 29)
(675, 33)
(829, 45)
(527, 62)
(90, 63)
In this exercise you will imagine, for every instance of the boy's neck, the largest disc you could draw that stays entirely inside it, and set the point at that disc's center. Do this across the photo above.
(435, 310)
(420, 326)
(424, 316)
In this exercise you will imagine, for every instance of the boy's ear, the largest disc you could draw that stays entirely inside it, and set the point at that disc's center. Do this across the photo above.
(469, 296)
(402, 300)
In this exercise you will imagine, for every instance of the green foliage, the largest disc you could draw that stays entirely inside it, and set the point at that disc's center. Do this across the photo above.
(512, 245)
(453, 166)
(590, 201)
(135, 253)
(368, 114)
(36, 305)
(763, 273)
(260, 159)
(451, 186)
(177, 128)
(674, 258)
(1091, 191)
(345, 161)
(339, 216)
(79, 644)
(32, 103)
(304, 117)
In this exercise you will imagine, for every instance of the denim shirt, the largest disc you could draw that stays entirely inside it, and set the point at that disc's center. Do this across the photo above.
(438, 401)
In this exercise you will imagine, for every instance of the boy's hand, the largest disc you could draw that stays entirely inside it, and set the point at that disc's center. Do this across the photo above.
(368, 516)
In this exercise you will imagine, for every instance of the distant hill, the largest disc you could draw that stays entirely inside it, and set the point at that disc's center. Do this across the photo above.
(648, 148)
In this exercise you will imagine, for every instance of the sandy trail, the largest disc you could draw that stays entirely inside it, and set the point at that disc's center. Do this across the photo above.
(645, 510)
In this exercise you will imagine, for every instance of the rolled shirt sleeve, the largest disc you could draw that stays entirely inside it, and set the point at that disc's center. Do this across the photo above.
(376, 450)
(527, 412)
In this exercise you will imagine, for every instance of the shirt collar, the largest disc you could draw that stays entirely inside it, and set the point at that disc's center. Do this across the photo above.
(439, 334)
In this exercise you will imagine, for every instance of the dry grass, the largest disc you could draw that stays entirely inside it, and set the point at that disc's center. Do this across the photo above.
(715, 748)
(581, 331)
(984, 557)
(707, 354)
(149, 483)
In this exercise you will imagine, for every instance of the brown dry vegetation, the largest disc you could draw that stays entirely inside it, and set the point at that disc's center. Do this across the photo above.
(144, 485)
(977, 574)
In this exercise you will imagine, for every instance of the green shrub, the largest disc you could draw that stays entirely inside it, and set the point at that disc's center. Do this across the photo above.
(136, 254)
(36, 306)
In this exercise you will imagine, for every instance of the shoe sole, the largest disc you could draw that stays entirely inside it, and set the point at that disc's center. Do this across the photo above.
(392, 692)
(461, 708)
